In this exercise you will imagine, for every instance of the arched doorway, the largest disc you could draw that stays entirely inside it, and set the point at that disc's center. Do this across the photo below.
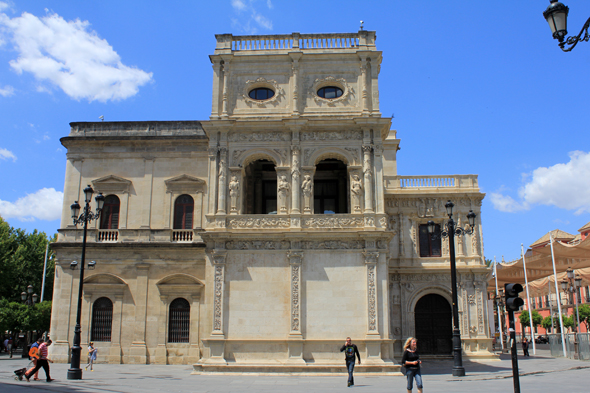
(434, 325)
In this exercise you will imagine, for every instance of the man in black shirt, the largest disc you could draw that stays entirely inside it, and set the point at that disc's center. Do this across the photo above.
(349, 352)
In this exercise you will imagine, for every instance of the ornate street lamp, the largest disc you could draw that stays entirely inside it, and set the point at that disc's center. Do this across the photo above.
(75, 372)
(29, 298)
(450, 230)
(571, 286)
(556, 16)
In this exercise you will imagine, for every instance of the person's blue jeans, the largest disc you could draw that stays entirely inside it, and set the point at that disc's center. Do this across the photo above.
(411, 374)
(350, 368)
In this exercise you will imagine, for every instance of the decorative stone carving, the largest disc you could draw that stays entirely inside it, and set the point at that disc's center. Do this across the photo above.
(347, 91)
(235, 156)
(475, 241)
(368, 173)
(295, 259)
(307, 153)
(471, 299)
(267, 222)
(480, 323)
(258, 137)
(414, 237)
(473, 330)
(355, 153)
(459, 239)
(306, 188)
(219, 280)
(369, 221)
(371, 294)
(257, 245)
(332, 245)
(262, 82)
(283, 191)
(333, 222)
(397, 331)
(401, 251)
(283, 153)
(356, 189)
(331, 136)
(427, 207)
(234, 194)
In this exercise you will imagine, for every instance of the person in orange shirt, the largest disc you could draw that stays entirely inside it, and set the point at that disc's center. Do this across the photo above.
(34, 355)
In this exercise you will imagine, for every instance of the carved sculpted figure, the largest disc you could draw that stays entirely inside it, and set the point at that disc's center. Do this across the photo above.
(284, 188)
(356, 188)
(306, 188)
(234, 193)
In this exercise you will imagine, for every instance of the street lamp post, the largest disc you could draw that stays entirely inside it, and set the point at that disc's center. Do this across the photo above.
(29, 298)
(75, 372)
(556, 16)
(450, 231)
(571, 287)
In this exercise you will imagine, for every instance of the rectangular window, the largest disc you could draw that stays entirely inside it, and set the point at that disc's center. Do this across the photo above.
(428, 246)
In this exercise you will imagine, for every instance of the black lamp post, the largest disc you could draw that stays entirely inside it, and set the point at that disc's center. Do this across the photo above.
(556, 16)
(571, 286)
(29, 298)
(450, 231)
(75, 372)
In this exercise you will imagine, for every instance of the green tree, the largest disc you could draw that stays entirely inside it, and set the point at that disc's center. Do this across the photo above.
(569, 322)
(584, 311)
(546, 323)
(21, 262)
(525, 320)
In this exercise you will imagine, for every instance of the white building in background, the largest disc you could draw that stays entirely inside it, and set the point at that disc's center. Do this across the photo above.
(261, 238)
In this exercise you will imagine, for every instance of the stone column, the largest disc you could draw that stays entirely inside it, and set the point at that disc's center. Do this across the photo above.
(217, 339)
(372, 307)
(295, 56)
(401, 250)
(146, 208)
(212, 179)
(124, 210)
(459, 240)
(138, 349)
(379, 188)
(161, 353)
(115, 350)
(365, 85)
(194, 350)
(295, 340)
(368, 178)
(226, 75)
(222, 179)
(216, 78)
(295, 179)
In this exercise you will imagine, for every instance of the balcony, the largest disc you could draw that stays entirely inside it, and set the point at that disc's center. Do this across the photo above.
(107, 235)
(431, 183)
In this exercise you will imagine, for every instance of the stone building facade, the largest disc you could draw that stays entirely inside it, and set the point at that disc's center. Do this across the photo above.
(261, 238)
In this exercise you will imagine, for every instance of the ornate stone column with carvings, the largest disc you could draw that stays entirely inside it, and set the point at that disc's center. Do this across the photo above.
(295, 177)
(401, 250)
(226, 75)
(307, 190)
(295, 56)
(365, 85)
(379, 188)
(459, 239)
(283, 192)
(212, 178)
(222, 179)
(218, 290)
(295, 341)
(371, 263)
(368, 172)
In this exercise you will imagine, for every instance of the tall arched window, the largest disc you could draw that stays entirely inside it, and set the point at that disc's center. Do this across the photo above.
(109, 217)
(102, 319)
(260, 188)
(183, 212)
(329, 187)
(179, 321)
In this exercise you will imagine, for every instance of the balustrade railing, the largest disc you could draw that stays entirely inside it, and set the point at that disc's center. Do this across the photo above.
(449, 181)
(107, 235)
(182, 235)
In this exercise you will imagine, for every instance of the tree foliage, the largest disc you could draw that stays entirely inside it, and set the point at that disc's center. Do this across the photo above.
(537, 318)
(546, 322)
(584, 311)
(16, 316)
(569, 322)
(21, 262)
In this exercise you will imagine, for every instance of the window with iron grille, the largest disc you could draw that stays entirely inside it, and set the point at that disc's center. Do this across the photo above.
(179, 321)
(183, 212)
(109, 217)
(102, 319)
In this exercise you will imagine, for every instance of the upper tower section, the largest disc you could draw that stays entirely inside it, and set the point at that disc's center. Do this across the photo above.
(295, 75)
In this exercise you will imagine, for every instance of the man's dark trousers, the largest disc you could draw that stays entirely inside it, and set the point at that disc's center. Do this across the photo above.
(350, 368)
(40, 363)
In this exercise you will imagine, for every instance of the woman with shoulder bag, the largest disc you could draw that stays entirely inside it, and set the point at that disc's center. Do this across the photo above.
(411, 361)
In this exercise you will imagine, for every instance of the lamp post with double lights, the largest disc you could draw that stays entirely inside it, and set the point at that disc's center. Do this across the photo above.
(556, 16)
(450, 230)
(571, 286)
(29, 298)
(75, 372)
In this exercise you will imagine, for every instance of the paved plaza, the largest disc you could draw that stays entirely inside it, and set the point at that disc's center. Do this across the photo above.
(539, 373)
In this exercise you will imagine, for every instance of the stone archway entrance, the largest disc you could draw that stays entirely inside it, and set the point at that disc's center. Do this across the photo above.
(434, 325)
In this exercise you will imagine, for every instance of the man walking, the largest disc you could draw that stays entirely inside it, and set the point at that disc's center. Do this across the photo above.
(41, 362)
(350, 350)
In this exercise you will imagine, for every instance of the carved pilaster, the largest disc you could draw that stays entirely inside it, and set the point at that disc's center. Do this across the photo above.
(295, 260)
(226, 76)
(475, 242)
(218, 291)
(234, 192)
(365, 84)
(295, 179)
(283, 192)
(371, 262)
(222, 181)
(212, 178)
(402, 251)
(459, 240)
(307, 191)
(368, 173)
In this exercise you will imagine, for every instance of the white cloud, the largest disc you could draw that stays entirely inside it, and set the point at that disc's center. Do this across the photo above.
(250, 23)
(6, 91)
(45, 204)
(566, 186)
(70, 56)
(6, 154)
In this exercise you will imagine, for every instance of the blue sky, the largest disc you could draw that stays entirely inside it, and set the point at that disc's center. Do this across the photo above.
(474, 87)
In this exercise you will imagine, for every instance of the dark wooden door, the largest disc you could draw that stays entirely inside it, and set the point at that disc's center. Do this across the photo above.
(434, 325)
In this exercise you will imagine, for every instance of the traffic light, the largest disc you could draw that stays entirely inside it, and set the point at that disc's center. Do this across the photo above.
(511, 291)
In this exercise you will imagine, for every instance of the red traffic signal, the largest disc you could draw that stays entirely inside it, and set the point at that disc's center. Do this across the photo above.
(511, 291)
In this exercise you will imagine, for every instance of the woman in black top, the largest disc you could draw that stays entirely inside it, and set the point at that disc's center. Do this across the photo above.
(411, 361)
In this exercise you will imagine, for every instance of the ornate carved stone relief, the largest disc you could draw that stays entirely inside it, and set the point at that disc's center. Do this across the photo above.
(249, 222)
(371, 294)
(331, 135)
(262, 82)
(257, 245)
(355, 154)
(347, 91)
(427, 207)
(258, 136)
(333, 245)
(333, 222)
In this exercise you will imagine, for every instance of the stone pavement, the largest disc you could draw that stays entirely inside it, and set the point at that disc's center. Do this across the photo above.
(539, 373)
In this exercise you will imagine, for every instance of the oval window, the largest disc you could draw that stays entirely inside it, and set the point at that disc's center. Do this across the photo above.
(261, 93)
(330, 92)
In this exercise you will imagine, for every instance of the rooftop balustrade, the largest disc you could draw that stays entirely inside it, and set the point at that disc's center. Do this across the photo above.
(446, 182)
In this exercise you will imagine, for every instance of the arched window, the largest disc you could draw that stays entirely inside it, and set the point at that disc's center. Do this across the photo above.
(260, 188)
(329, 187)
(179, 321)
(183, 212)
(102, 319)
(109, 217)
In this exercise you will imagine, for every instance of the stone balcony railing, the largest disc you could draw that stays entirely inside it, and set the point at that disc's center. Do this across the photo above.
(444, 182)
(362, 40)
(112, 236)
(107, 235)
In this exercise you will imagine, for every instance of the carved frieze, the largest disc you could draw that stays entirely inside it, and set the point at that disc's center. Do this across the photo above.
(218, 298)
(371, 293)
(258, 136)
(331, 135)
(332, 245)
(250, 222)
(333, 222)
(257, 245)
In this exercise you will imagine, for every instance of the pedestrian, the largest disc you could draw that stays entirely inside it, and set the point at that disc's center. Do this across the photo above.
(91, 356)
(350, 350)
(34, 355)
(525, 346)
(411, 361)
(9, 346)
(43, 361)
